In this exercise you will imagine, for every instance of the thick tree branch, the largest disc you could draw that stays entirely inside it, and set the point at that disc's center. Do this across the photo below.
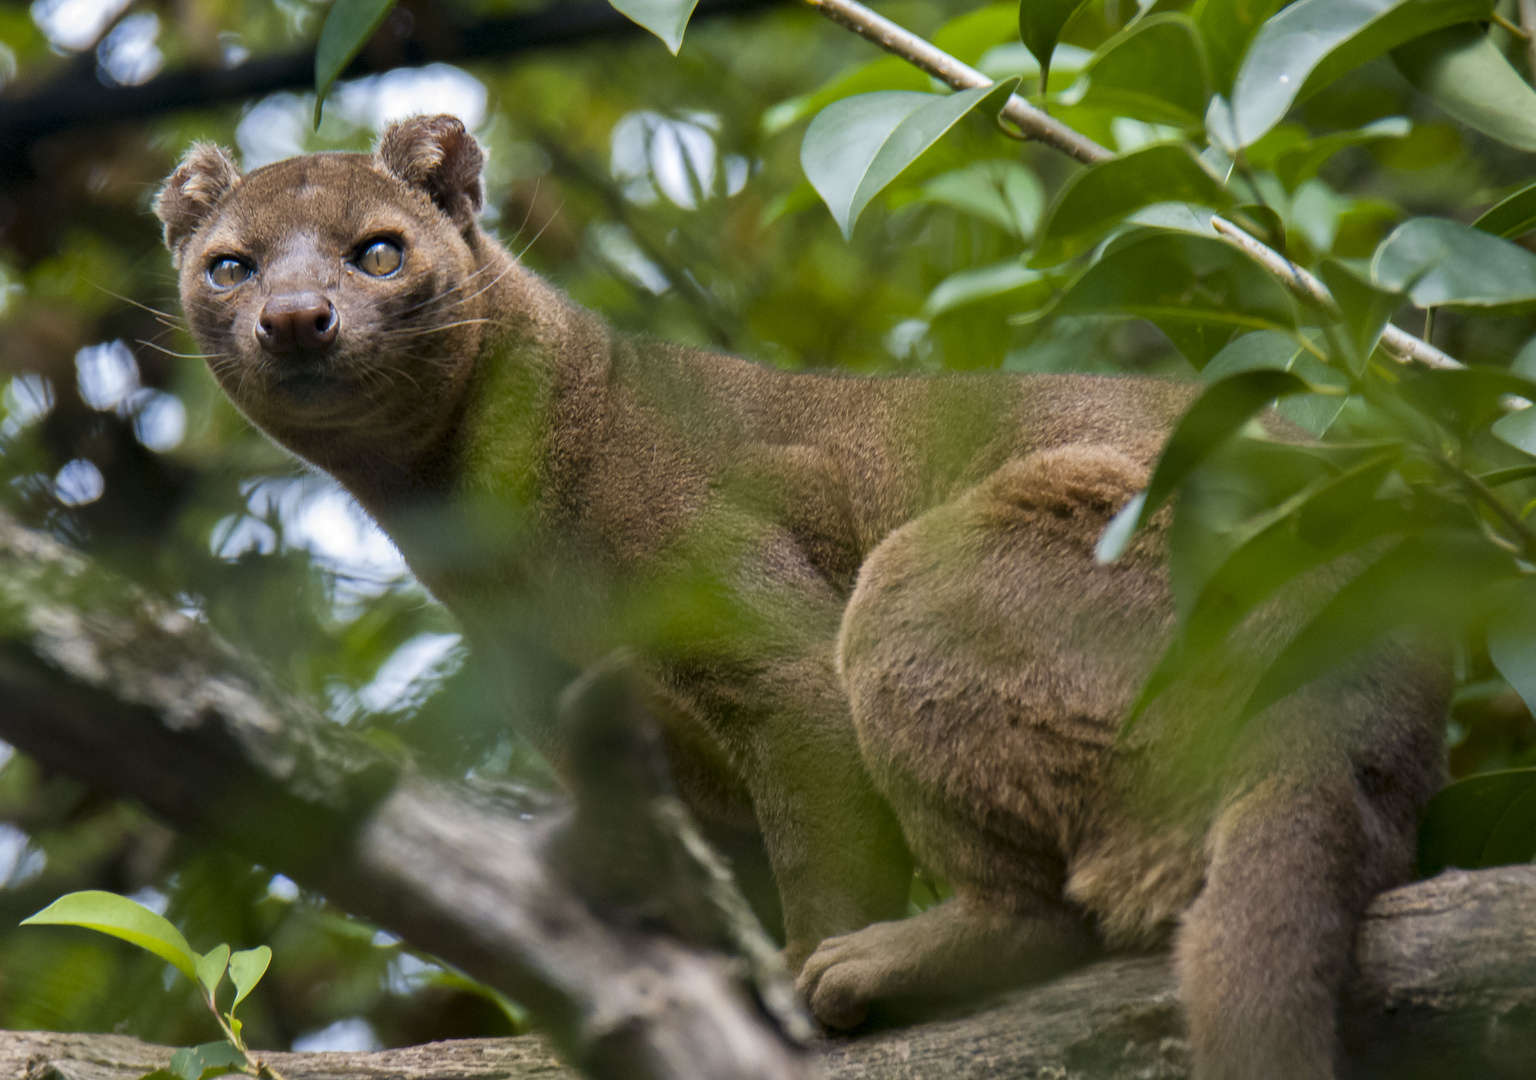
(1447, 988)
(105, 684)
(1044, 128)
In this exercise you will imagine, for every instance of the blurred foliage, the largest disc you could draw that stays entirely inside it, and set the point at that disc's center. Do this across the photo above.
(669, 194)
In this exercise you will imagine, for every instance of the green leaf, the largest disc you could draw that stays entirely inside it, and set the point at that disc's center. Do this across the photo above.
(1227, 26)
(1198, 290)
(210, 969)
(1512, 639)
(1116, 536)
(1465, 74)
(1511, 475)
(1213, 418)
(1313, 42)
(667, 19)
(1434, 582)
(1300, 163)
(1040, 26)
(1284, 352)
(122, 918)
(348, 26)
(1518, 429)
(1437, 261)
(1324, 520)
(885, 73)
(1512, 216)
(1153, 70)
(858, 145)
(1460, 822)
(1099, 197)
(967, 37)
(1005, 281)
(1003, 192)
(191, 1062)
(246, 969)
(1464, 399)
(1366, 309)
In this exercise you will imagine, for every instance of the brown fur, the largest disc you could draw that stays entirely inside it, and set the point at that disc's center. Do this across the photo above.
(899, 643)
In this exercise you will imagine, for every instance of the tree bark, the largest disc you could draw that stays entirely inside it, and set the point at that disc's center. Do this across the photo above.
(1446, 988)
(100, 681)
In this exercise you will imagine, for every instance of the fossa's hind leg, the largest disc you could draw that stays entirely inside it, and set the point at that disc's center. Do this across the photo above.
(988, 661)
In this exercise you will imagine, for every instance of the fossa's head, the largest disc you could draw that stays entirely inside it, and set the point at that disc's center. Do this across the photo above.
(340, 299)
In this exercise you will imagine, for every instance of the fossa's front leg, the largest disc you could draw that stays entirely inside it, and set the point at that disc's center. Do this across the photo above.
(769, 692)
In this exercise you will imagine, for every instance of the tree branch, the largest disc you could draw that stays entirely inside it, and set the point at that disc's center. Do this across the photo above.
(101, 682)
(1447, 987)
(1044, 128)
(79, 99)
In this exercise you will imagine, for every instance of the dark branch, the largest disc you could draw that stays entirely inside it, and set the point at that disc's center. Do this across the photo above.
(79, 99)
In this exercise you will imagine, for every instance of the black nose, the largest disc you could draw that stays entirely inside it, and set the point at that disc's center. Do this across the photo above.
(302, 320)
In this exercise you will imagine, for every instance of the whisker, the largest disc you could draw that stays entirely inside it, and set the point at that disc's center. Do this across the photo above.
(540, 233)
(210, 357)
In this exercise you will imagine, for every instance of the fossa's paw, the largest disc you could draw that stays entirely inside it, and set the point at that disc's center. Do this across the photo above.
(846, 974)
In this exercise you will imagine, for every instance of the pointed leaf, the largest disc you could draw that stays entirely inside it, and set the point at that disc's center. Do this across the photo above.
(1101, 196)
(1324, 520)
(1300, 163)
(1283, 352)
(1198, 290)
(1518, 429)
(667, 19)
(1512, 639)
(1153, 70)
(348, 26)
(246, 969)
(1438, 261)
(1002, 192)
(1500, 477)
(1465, 399)
(1433, 582)
(1040, 26)
(1009, 281)
(1214, 417)
(967, 37)
(1465, 74)
(1461, 820)
(1512, 216)
(122, 918)
(858, 145)
(1227, 26)
(1313, 42)
(210, 969)
(1116, 536)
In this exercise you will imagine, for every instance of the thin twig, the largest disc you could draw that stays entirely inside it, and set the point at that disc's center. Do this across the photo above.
(1046, 129)
(1397, 341)
(938, 63)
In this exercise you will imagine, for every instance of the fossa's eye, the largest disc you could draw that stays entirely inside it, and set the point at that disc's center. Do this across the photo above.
(380, 258)
(226, 272)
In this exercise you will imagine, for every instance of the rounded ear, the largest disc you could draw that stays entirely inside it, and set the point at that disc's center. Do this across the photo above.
(190, 194)
(436, 154)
